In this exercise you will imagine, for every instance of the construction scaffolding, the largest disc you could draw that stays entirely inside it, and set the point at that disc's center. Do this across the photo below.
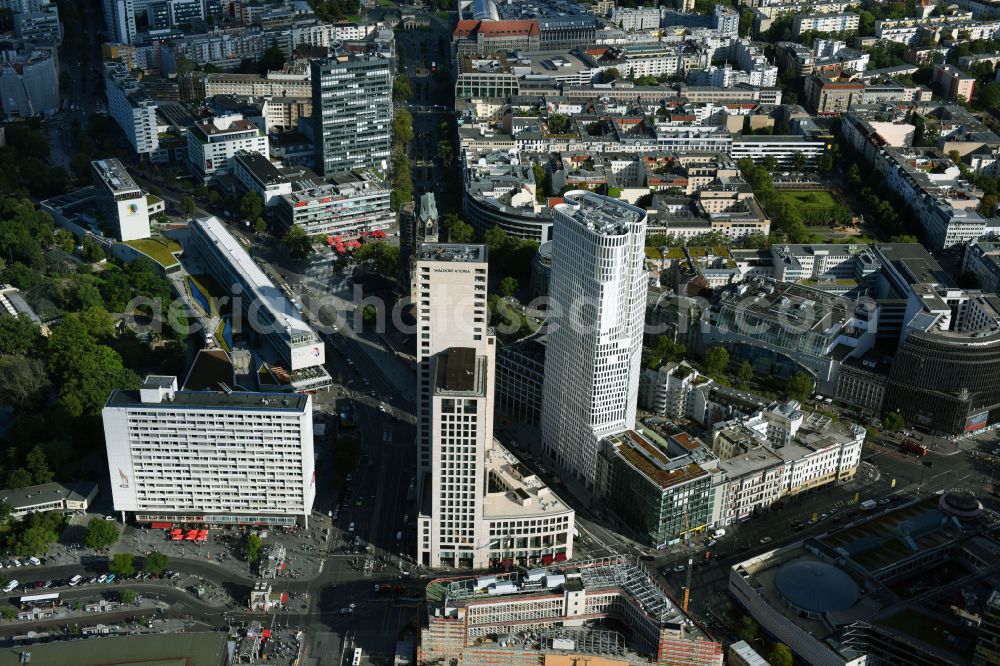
(631, 576)
(588, 641)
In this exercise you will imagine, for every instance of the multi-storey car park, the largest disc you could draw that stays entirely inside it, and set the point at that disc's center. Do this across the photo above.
(267, 313)
(608, 609)
(212, 457)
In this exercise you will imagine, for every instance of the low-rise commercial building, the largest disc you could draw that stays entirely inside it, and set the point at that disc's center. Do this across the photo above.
(76, 497)
(268, 315)
(258, 174)
(346, 204)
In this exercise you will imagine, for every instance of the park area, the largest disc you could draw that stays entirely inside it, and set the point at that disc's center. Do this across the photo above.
(814, 207)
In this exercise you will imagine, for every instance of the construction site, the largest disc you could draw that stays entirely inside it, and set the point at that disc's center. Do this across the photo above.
(609, 610)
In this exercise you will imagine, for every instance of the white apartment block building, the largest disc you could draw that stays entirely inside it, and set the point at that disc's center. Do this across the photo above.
(120, 199)
(593, 360)
(214, 142)
(845, 22)
(205, 457)
(637, 18)
(119, 19)
(461, 522)
(131, 108)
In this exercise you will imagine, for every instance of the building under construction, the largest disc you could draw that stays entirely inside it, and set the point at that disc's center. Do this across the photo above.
(608, 610)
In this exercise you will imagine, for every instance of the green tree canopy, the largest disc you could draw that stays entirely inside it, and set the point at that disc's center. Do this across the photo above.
(297, 243)
(251, 206)
(507, 286)
(799, 386)
(122, 565)
(716, 360)
(155, 563)
(780, 655)
(893, 422)
(252, 545)
(101, 534)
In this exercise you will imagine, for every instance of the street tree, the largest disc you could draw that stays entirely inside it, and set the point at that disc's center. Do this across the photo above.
(781, 655)
(127, 596)
(893, 422)
(252, 545)
(122, 565)
(297, 243)
(461, 232)
(747, 629)
(188, 206)
(155, 563)
(35, 540)
(800, 162)
(799, 386)
(507, 287)
(101, 534)
(716, 360)
(744, 375)
(251, 206)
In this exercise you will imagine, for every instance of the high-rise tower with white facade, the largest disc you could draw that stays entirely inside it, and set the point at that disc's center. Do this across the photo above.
(597, 289)
(221, 458)
(479, 507)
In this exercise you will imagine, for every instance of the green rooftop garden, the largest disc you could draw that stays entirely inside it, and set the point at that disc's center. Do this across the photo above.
(161, 250)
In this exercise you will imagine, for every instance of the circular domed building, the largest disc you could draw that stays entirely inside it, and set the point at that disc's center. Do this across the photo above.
(961, 504)
(812, 588)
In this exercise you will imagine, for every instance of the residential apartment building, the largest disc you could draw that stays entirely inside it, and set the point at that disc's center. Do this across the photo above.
(845, 22)
(293, 85)
(120, 199)
(212, 143)
(480, 506)
(291, 344)
(598, 281)
(347, 204)
(131, 108)
(207, 457)
(39, 26)
(352, 112)
(829, 97)
(119, 20)
(953, 83)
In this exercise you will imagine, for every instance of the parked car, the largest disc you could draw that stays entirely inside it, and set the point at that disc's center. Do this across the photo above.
(765, 540)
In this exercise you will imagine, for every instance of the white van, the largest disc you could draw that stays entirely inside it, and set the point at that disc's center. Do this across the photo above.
(718, 534)
(34, 560)
(10, 586)
(350, 529)
(75, 580)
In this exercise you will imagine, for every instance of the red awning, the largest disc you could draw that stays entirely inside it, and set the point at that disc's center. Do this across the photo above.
(546, 559)
(560, 557)
(161, 526)
(177, 537)
(284, 597)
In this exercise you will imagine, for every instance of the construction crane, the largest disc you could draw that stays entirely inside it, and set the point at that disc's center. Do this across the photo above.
(687, 540)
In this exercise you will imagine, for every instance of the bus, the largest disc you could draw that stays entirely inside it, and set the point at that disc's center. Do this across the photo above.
(910, 446)
(40, 600)
(357, 657)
